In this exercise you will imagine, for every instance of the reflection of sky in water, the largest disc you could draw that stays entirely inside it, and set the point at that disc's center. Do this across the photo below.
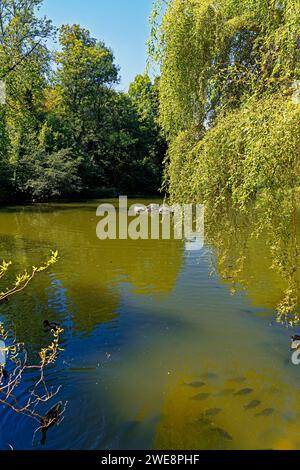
(157, 352)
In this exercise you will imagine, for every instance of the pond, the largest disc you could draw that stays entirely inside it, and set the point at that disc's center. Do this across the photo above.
(163, 347)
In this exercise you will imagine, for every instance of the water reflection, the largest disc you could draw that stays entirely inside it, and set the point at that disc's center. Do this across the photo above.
(165, 346)
(258, 251)
(85, 285)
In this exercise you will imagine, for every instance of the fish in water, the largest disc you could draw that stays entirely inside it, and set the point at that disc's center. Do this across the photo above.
(221, 433)
(212, 412)
(244, 391)
(196, 384)
(50, 419)
(266, 412)
(253, 404)
(201, 396)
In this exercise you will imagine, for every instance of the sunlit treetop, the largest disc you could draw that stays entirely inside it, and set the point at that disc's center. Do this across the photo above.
(216, 54)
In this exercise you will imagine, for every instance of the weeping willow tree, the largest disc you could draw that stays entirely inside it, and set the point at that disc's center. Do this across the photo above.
(230, 108)
(228, 96)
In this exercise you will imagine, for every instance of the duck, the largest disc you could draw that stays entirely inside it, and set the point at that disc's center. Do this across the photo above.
(50, 419)
(49, 326)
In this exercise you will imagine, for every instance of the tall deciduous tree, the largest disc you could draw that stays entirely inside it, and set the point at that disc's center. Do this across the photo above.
(24, 63)
(65, 129)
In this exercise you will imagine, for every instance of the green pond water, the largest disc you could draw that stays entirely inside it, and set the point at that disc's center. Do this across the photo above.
(164, 347)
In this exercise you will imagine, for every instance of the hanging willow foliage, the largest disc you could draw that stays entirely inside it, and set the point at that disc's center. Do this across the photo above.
(247, 152)
(230, 108)
(229, 71)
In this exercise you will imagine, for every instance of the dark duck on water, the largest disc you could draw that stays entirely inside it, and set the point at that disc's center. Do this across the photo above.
(51, 418)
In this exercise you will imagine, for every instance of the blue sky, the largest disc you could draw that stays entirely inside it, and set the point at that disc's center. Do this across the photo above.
(122, 24)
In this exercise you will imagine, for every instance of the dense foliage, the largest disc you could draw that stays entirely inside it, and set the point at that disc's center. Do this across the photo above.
(64, 129)
(228, 96)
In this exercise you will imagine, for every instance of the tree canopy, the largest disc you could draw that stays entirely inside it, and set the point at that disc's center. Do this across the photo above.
(65, 130)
